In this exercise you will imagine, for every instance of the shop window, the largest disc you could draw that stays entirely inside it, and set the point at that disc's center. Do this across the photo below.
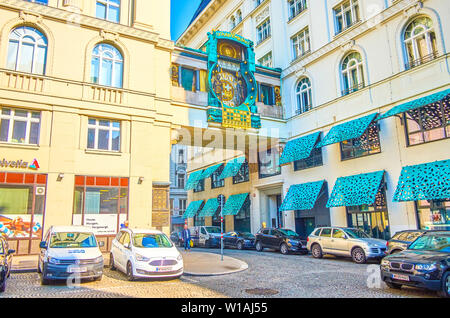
(200, 187)
(367, 144)
(215, 181)
(103, 134)
(107, 66)
(433, 215)
(242, 219)
(372, 219)
(269, 163)
(19, 126)
(242, 175)
(108, 10)
(100, 203)
(314, 160)
(428, 123)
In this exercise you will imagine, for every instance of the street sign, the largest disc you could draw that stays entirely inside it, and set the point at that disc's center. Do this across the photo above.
(221, 201)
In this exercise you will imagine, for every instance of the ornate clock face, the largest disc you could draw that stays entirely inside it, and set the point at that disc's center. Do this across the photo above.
(229, 87)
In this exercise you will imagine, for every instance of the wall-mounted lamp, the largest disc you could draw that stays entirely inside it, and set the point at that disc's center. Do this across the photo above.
(140, 180)
(60, 177)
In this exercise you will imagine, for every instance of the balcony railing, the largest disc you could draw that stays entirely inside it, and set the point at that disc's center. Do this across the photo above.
(422, 60)
(299, 10)
(352, 89)
(303, 109)
(348, 26)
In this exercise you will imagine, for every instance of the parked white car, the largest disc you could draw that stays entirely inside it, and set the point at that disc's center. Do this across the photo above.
(145, 253)
(70, 251)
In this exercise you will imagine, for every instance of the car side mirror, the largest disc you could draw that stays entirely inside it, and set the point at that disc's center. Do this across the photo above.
(101, 244)
(43, 245)
(11, 252)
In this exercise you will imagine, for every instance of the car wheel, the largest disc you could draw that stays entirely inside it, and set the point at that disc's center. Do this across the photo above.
(130, 275)
(393, 285)
(240, 246)
(395, 251)
(3, 286)
(111, 262)
(97, 279)
(445, 292)
(284, 249)
(359, 256)
(316, 251)
(44, 281)
(259, 247)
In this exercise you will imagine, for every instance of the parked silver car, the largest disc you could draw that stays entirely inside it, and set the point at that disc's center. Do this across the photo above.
(342, 241)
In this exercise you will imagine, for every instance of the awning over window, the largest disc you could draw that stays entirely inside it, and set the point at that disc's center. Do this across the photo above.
(234, 204)
(192, 209)
(209, 171)
(346, 131)
(232, 168)
(299, 148)
(193, 179)
(302, 196)
(423, 101)
(356, 190)
(428, 181)
(210, 208)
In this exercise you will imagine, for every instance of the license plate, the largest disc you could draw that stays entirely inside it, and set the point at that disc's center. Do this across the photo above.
(77, 270)
(163, 269)
(400, 277)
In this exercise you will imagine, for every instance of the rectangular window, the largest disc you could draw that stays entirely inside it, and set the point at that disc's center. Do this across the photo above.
(181, 206)
(103, 134)
(300, 43)
(296, 7)
(100, 203)
(266, 95)
(263, 31)
(108, 10)
(433, 215)
(428, 123)
(367, 144)
(314, 160)
(346, 15)
(181, 178)
(242, 175)
(200, 186)
(19, 126)
(269, 163)
(215, 181)
(188, 79)
(44, 2)
(266, 60)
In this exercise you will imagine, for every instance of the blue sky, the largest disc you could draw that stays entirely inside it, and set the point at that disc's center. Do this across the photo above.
(181, 15)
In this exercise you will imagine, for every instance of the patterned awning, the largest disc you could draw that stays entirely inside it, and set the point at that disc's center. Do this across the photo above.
(209, 171)
(428, 181)
(299, 148)
(192, 209)
(210, 208)
(302, 196)
(193, 180)
(417, 103)
(234, 204)
(346, 131)
(356, 190)
(232, 168)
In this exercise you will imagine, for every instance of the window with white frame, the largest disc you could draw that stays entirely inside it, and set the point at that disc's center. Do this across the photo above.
(238, 16)
(300, 43)
(232, 22)
(19, 126)
(304, 96)
(103, 134)
(181, 180)
(352, 73)
(296, 7)
(182, 206)
(107, 66)
(108, 10)
(419, 39)
(45, 2)
(27, 50)
(263, 30)
(266, 60)
(346, 14)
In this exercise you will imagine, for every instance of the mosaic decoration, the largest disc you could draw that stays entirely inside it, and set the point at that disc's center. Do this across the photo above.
(193, 180)
(299, 148)
(210, 208)
(428, 181)
(349, 130)
(232, 168)
(356, 190)
(192, 209)
(209, 171)
(430, 99)
(302, 196)
(234, 204)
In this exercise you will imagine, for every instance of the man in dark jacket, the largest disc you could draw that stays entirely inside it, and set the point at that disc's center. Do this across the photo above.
(186, 235)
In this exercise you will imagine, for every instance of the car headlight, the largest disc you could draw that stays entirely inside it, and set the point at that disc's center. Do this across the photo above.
(54, 261)
(179, 258)
(141, 258)
(98, 260)
(385, 262)
(425, 267)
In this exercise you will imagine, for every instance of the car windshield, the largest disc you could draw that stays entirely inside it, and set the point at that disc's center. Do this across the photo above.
(246, 235)
(288, 232)
(212, 229)
(355, 233)
(144, 240)
(72, 240)
(436, 242)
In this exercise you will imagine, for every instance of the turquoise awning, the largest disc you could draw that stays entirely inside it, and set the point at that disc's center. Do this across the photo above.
(302, 196)
(356, 190)
(232, 168)
(209, 171)
(193, 180)
(417, 103)
(346, 131)
(210, 208)
(428, 181)
(192, 209)
(299, 148)
(234, 204)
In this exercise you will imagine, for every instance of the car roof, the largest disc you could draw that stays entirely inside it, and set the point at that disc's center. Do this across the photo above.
(143, 231)
(72, 228)
(441, 232)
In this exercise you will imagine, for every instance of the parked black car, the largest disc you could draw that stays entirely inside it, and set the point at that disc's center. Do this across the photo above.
(425, 264)
(177, 238)
(401, 240)
(283, 240)
(5, 263)
(239, 240)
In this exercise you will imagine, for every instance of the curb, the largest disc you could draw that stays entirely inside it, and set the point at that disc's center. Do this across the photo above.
(23, 271)
(244, 267)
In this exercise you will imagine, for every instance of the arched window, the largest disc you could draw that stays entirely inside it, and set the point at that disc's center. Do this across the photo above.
(107, 66)
(352, 73)
(232, 22)
(238, 16)
(419, 39)
(27, 50)
(304, 96)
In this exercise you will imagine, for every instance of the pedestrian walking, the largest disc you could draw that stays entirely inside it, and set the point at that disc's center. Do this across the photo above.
(186, 235)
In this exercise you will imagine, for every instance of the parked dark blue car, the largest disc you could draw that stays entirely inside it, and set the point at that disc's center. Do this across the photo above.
(239, 240)
(5, 263)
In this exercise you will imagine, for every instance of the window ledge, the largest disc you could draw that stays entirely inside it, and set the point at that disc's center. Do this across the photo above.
(102, 152)
(17, 145)
(263, 41)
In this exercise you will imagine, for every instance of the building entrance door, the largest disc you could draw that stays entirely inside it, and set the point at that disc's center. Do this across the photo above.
(304, 226)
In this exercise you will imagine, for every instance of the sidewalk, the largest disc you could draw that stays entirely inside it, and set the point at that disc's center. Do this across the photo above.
(195, 264)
